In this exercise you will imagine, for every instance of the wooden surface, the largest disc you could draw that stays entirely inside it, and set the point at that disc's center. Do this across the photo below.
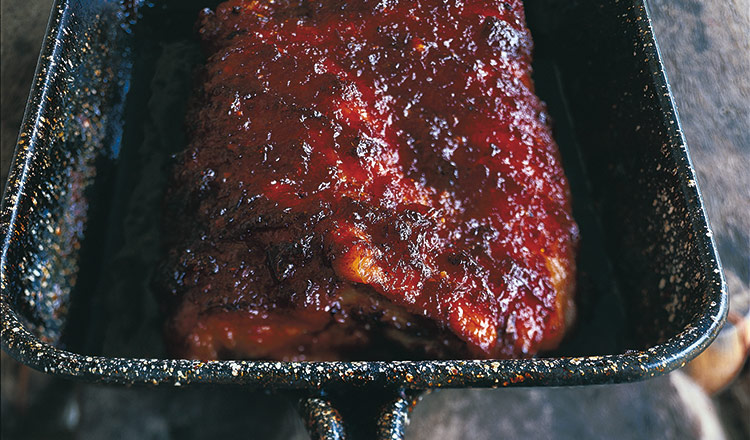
(706, 49)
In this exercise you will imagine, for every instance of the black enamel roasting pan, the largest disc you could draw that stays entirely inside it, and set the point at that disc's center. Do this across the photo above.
(80, 215)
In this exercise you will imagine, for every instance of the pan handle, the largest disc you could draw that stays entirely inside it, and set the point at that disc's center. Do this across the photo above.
(394, 417)
(324, 422)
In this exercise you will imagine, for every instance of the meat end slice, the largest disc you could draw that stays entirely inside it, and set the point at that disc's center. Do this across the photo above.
(367, 179)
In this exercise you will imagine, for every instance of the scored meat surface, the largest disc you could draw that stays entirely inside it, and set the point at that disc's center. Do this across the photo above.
(367, 179)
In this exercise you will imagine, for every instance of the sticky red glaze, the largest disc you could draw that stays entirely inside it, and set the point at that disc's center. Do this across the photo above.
(394, 149)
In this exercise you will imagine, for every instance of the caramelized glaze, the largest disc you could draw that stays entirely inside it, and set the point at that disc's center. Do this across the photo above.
(363, 169)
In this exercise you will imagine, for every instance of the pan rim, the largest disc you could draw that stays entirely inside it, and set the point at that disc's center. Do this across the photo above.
(674, 353)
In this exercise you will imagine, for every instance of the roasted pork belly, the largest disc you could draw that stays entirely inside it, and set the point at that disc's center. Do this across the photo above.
(367, 179)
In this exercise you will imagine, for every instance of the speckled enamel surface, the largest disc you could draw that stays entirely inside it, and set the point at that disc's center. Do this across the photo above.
(323, 421)
(676, 306)
(69, 133)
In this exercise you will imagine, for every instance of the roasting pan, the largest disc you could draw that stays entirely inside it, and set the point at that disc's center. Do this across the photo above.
(80, 215)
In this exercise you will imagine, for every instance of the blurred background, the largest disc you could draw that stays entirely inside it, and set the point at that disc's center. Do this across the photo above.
(706, 50)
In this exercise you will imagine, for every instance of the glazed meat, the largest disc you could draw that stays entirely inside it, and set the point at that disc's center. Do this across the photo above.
(367, 179)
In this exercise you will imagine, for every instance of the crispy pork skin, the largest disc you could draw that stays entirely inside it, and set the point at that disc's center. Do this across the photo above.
(367, 174)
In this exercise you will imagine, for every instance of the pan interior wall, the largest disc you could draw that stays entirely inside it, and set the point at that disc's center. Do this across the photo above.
(641, 278)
